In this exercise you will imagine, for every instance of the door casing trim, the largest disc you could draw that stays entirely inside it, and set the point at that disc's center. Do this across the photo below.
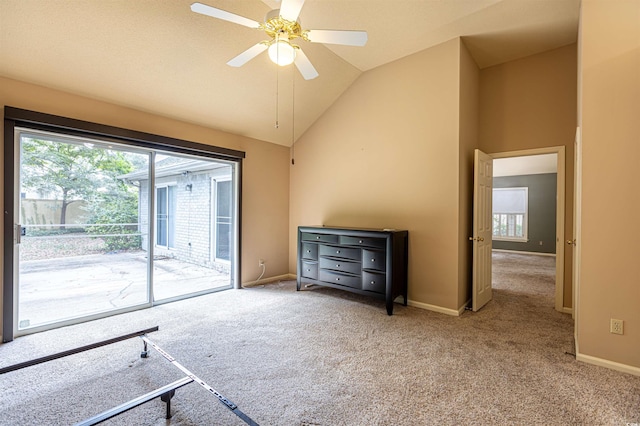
(560, 210)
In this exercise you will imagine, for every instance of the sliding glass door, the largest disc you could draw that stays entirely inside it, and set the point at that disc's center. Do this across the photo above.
(82, 249)
(105, 228)
(184, 261)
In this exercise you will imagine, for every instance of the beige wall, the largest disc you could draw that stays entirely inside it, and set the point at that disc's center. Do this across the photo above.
(37, 211)
(609, 267)
(531, 103)
(386, 155)
(265, 202)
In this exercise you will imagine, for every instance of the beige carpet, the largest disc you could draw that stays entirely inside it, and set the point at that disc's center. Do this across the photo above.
(327, 357)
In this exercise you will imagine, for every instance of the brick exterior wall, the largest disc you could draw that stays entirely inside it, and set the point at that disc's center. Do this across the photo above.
(193, 219)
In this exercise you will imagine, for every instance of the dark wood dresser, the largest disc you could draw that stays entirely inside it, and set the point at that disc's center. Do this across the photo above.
(364, 261)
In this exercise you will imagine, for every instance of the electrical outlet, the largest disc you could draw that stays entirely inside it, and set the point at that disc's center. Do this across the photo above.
(260, 262)
(617, 326)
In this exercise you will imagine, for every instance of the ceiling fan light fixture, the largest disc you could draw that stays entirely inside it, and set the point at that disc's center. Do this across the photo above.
(283, 26)
(281, 52)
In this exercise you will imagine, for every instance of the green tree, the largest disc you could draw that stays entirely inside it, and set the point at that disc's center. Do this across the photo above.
(80, 172)
(92, 174)
(70, 171)
(114, 208)
(114, 216)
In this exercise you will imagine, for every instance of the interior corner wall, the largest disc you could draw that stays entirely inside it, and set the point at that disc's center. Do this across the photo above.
(468, 138)
(530, 103)
(609, 269)
(265, 213)
(385, 155)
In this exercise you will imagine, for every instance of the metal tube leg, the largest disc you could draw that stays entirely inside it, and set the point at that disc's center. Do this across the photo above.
(145, 352)
(167, 398)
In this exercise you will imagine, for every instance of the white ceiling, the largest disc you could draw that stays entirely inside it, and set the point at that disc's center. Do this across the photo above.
(526, 165)
(158, 56)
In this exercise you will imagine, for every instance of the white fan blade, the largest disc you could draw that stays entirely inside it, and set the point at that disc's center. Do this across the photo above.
(304, 66)
(247, 55)
(349, 38)
(224, 15)
(290, 9)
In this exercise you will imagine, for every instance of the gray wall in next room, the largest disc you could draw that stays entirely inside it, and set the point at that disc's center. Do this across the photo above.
(542, 212)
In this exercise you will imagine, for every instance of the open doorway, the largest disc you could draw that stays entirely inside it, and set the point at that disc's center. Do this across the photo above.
(528, 217)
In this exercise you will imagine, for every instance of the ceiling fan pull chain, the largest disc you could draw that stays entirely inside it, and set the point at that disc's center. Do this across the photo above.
(293, 117)
(277, 94)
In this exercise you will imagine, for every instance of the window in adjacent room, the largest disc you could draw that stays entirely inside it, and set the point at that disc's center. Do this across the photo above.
(510, 207)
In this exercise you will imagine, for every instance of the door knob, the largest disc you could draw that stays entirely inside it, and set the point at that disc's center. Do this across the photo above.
(479, 239)
(571, 242)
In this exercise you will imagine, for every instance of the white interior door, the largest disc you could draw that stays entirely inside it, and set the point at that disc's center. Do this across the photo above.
(482, 228)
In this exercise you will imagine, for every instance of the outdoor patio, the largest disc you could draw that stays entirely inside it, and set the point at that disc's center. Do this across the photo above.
(69, 287)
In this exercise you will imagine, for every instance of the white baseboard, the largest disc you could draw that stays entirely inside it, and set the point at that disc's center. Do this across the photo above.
(434, 308)
(524, 252)
(608, 364)
(285, 277)
(566, 310)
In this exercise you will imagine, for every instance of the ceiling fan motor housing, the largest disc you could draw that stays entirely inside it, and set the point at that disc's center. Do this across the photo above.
(275, 26)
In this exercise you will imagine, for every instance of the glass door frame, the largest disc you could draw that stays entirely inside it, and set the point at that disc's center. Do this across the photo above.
(71, 140)
(20, 118)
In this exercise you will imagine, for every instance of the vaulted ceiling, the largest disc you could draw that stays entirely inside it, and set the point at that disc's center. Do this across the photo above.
(160, 57)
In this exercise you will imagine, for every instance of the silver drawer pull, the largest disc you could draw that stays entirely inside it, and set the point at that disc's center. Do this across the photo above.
(338, 265)
(337, 251)
(308, 270)
(360, 242)
(308, 251)
(337, 279)
(317, 238)
(373, 260)
(373, 282)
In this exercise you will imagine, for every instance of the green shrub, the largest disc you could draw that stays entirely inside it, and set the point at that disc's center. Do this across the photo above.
(113, 217)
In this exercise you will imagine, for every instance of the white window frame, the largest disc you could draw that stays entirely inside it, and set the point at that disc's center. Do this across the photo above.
(214, 216)
(155, 210)
(525, 220)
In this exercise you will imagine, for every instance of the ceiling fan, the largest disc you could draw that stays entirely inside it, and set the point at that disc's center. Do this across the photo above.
(282, 26)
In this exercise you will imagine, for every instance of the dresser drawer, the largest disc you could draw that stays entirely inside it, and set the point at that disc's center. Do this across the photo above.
(374, 282)
(340, 265)
(320, 238)
(341, 279)
(343, 252)
(347, 240)
(309, 251)
(309, 270)
(375, 260)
